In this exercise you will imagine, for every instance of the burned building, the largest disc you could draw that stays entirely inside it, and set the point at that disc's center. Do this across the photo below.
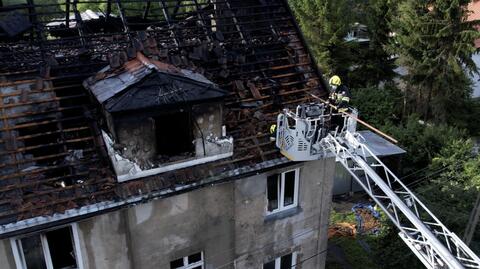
(135, 134)
(163, 118)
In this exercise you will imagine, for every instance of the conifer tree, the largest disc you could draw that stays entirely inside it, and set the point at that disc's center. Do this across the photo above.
(435, 42)
(374, 63)
(325, 23)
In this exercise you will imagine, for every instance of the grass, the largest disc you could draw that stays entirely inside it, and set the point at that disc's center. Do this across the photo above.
(336, 217)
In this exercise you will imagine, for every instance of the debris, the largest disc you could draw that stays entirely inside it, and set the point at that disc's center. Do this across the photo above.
(253, 89)
(367, 218)
(15, 23)
(74, 155)
(342, 229)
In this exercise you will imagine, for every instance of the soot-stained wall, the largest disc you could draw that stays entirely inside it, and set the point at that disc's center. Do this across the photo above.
(136, 133)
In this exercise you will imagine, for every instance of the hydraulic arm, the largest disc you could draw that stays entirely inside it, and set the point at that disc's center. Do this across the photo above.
(314, 132)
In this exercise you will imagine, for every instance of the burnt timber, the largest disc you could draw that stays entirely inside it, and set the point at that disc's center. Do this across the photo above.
(52, 157)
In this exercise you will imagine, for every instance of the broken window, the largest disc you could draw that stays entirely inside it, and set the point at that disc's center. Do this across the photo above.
(174, 134)
(285, 262)
(194, 261)
(282, 191)
(50, 250)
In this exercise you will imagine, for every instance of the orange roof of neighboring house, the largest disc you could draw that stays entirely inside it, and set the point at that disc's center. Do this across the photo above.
(474, 7)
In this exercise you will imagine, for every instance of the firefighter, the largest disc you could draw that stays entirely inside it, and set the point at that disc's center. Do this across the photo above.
(273, 132)
(339, 94)
(340, 98)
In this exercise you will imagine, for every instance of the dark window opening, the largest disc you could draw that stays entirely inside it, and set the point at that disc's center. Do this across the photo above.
(33, 253)
(60, 245)
(174, 134)
(286, 262)
(195, 258)
(53, 247)
(176, 263)
(289, 188)
(273, 189)
(269, 265)
(193, 261)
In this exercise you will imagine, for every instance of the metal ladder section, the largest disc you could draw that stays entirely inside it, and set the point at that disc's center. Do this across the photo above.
(425, 235)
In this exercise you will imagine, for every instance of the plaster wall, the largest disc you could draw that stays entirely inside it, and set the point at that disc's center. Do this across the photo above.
(6, 255)
(260, 238)
(104, 242)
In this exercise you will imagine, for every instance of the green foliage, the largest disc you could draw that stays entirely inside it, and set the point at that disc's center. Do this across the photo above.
(373, 62)
(452, 193)
(392, 251)
(336, 217)
(378, 106)
(466, 116)
(461, 168)
(421, 141)
(435, 43)
(356, 256)
(324, 24)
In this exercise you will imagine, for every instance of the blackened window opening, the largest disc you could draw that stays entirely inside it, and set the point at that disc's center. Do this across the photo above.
(273, 190)
(174, 134)
(60, 245)
(289, 188)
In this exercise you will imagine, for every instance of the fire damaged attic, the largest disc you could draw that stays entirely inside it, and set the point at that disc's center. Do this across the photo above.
(159, 114)
(209, 75)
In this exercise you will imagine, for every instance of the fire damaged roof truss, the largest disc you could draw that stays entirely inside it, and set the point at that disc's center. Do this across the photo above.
(52, 155)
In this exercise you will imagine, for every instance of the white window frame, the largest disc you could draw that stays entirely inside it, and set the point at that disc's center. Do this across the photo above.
(278, 260)
(193, 265)
(19, 257)
(281, 194)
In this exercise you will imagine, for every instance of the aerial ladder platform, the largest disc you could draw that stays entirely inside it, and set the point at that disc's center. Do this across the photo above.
(315, 131)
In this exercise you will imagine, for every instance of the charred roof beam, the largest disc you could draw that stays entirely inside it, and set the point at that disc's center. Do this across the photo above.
(109, 9)
(164, 7)
(208, 30)
(67, 14)
(176, 9)
(121, 11)
(147, 10)
(38, 31)
(79, 22)
(235, 21)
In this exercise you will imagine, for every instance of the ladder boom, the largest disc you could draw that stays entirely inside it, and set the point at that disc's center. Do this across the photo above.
(431, 241)
(307, 135)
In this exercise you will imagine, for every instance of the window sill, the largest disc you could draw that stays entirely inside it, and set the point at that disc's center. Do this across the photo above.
(282, 214)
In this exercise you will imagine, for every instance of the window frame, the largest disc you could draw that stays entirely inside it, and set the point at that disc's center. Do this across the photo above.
(200, 263)
(19, 255)
(278, 261)
(281, 193)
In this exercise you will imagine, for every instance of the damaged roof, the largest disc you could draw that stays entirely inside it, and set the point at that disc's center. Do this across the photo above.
(145, 83)
(52, 157)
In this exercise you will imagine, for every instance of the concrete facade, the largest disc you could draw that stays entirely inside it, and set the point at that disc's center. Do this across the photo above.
(228, 222)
